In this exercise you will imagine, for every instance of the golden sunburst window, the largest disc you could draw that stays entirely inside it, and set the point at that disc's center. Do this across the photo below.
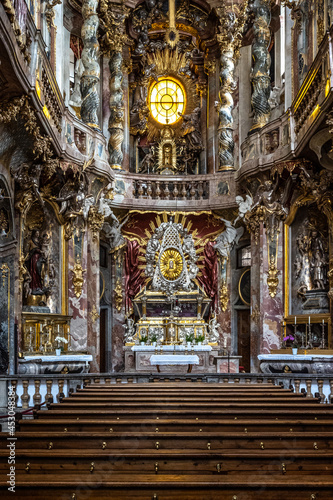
(167, 100)
(171, 264)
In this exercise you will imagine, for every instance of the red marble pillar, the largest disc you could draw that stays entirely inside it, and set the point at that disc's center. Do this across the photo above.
(224, 317)
(93, 331)
(266, 311)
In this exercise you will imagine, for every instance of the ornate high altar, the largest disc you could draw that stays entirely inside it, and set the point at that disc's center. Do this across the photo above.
(172, 309)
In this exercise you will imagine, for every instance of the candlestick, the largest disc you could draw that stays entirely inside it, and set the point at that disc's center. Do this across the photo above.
(58, 328)
(309, 320)
(295, 320)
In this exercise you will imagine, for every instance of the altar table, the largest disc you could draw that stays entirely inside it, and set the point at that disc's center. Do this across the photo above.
(174, 359)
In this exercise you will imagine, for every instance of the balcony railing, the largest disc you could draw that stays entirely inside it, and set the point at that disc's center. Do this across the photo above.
(32, 390)
(188, 192)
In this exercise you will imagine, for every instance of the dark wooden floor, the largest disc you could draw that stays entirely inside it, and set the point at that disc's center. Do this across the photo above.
(175, 441)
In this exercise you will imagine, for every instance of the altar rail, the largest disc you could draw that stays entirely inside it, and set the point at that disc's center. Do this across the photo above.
(34, 390)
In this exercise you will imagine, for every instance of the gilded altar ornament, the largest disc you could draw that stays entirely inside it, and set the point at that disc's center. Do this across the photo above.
(171, 264)
(118, 295)
(95, 221)
(272, 277)
(94, 314)
(224, 295)
(41, 145)
(165, 258)
(78, 279)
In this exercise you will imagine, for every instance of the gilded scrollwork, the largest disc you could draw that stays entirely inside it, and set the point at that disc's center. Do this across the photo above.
(118, 295)
(224, 295)
(41, 145)
(95, 221)
(272, 277)
(78, 277)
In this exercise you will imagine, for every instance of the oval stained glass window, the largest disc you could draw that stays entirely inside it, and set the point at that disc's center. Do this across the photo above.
(166, 101)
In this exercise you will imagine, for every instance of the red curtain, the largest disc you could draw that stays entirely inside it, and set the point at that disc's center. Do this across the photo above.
(209, 278)
(133, 278)
(76, 45)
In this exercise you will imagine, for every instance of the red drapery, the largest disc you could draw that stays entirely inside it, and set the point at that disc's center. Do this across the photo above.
(76, 45)
(209, 277)
(133, 278)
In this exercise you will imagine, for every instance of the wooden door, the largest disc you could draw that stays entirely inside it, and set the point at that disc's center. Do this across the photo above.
(244, 338)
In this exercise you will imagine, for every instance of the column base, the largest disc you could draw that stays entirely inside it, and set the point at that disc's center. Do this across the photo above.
(225, 168)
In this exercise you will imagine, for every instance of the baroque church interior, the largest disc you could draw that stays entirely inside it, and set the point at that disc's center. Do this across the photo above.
(166, 220)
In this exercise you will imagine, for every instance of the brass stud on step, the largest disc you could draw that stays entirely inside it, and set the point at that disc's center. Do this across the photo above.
(157, 445)
(262, 446)
(50, 445)
(156, 430)
(245, 430)
(315, 446)
(103, 445)
(209, 446)
(283, 468)
(156, 467)
(313, 496)
(92, 467)
(65, 429)
(111, 430)
(218, 467)
(27, 467)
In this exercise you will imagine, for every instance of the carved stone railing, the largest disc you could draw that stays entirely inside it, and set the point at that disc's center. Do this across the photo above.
(33, 390)
(47, 88)
(171, 190)
(315, 93)
(269, 144)
(188, 192)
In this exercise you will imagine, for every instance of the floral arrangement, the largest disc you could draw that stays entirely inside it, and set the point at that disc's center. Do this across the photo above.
(61, 339)
(199, 338)
(144, 338)
(189, 337)
(291, 339)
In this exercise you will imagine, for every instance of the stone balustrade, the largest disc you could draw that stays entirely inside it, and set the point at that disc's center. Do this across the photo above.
(171, 192)
(34, 390)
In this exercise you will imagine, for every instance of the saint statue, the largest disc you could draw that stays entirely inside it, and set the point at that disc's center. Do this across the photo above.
(36, 263)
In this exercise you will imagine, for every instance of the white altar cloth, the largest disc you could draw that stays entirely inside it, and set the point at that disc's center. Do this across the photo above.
(174, 359)
(202, 348)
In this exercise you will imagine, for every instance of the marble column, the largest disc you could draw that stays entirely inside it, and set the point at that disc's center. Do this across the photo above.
(260, 76)
(93, 308)
(266, 311)
(90, 56)
(77, 305)
(224, 309)
(117, 113)
(225, 130)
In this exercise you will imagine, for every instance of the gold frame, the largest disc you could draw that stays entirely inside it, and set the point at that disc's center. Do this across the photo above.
(239, 291)
(289, 319)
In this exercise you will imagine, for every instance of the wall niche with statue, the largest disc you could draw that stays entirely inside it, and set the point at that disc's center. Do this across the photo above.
(309, 264)
(41, 260)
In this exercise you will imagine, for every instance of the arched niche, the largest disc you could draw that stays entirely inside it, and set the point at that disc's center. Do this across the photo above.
(42, 252)
(307, 262)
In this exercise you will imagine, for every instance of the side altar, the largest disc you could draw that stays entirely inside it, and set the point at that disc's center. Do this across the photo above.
(172, 313)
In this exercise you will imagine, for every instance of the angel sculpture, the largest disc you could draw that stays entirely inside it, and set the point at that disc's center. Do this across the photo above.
(28, 178)
(129, 330)
(190, 129)
(73, 193)
(105, 208)
(114, 233)
(214, 326)
(226, 240)
(244, 206)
